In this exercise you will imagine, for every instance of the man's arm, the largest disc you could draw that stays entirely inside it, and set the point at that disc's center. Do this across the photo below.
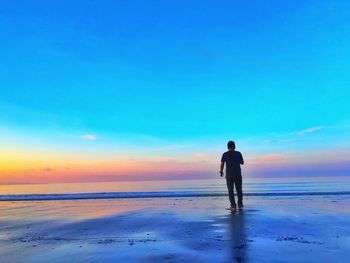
(242, 161)
(222, 168)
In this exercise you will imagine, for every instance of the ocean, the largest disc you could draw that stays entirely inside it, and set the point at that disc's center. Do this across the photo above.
(176, 188)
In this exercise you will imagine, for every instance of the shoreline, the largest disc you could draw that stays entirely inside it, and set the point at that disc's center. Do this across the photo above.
(168, 194)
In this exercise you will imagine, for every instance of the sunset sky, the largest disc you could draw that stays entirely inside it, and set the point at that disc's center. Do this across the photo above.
(133, 90)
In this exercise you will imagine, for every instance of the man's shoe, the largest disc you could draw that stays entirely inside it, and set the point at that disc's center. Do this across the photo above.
(233, 209)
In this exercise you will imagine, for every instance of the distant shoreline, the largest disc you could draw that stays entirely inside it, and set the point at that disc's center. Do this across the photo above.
(126, 195)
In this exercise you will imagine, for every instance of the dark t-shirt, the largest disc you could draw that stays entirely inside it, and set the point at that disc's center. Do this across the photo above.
(233, 160)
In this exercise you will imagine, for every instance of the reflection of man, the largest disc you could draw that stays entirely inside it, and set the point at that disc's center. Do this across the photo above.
(233, 160)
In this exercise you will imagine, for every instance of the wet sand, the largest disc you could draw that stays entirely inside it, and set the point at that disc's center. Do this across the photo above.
(269, 229)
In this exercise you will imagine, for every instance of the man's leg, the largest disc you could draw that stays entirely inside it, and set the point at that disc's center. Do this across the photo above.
(229, 182)
(238, 185)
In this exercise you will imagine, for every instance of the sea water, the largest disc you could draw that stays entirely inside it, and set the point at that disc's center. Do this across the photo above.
(176, 188)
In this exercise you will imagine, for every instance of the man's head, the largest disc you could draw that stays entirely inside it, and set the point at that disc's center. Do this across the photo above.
(231, 145)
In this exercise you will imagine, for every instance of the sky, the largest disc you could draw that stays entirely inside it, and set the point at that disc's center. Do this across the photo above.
(138, 90)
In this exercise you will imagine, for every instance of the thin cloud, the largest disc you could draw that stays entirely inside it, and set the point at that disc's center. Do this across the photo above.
(280, 141)
(292, 137)
(207, 53)
(89, 137)
(310, 130)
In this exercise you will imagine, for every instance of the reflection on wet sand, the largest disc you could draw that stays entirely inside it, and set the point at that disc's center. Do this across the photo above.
(238, 236)
(175, 230)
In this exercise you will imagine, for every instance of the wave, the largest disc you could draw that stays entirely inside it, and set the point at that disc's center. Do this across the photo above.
(119, 195)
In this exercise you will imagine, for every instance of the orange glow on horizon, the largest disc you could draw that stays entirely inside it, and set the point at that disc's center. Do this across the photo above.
(46, 167)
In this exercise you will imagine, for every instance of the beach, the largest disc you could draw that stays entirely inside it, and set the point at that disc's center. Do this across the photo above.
(269, 229)
(127, 127)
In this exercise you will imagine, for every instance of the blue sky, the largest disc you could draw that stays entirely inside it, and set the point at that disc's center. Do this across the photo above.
(182, 76)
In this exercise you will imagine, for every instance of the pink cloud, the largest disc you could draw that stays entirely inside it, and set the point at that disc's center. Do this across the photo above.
(268, 158)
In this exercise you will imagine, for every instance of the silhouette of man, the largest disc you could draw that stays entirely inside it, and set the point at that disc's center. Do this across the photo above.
(233, 160)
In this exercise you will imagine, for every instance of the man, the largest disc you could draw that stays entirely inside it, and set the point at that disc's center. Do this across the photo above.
(233, 160)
